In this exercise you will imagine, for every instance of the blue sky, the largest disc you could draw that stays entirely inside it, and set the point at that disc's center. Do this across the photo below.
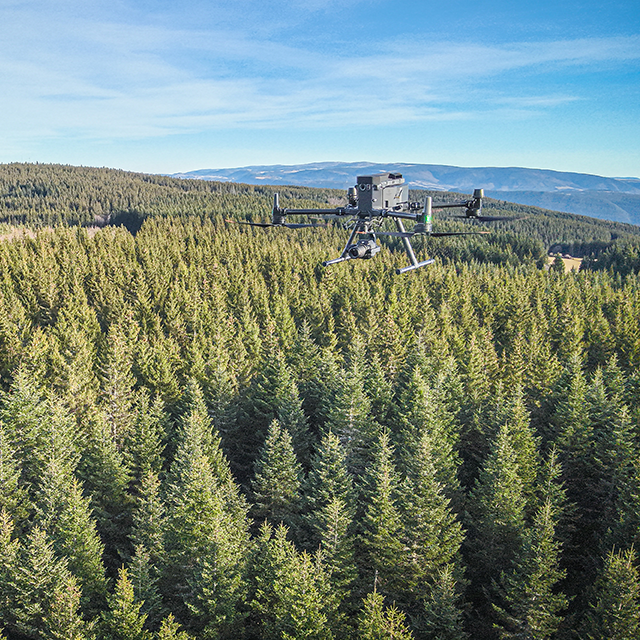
(162, 87)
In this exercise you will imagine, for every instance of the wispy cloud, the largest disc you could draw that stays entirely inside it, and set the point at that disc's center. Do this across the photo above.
(96, 77)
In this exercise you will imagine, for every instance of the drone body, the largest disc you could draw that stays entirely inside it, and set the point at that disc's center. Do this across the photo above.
(373, 200)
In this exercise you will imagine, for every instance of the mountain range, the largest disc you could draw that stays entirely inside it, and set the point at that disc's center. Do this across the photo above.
(615, 199)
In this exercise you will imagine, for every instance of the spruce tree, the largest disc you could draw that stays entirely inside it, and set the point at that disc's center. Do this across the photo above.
(378, 623)
(9, 559)
(276, 485)
(149, 517)
(170, 630)
(290, 596)
(63, 620)
(349, 417)
(14, 497)
(442, 618)
(144, 446)
(532, 605)
(381, 555)
(615, 612)
(330, 512)
(423, 409)
(205, 541)
(144, 577)
(106, 479)
(38, 575)
(124, 620)
(431, 534)
(496, 526)
(66, 516)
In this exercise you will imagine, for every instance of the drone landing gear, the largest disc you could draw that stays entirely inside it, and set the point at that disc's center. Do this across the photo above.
(409, 249)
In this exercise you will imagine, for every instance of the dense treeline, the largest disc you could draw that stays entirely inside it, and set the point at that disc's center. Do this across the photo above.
(203, 432)
(41, 195)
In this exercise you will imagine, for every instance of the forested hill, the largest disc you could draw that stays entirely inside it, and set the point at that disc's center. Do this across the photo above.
(43, 195)
(205, 434)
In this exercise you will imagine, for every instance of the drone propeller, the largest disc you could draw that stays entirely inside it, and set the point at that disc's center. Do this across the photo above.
(288, 225)
(295, 225)
(490, 218)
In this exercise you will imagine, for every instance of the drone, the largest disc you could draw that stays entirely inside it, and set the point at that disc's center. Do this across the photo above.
(373, 200)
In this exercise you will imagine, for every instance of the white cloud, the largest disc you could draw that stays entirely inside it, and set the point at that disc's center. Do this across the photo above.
(94, 77)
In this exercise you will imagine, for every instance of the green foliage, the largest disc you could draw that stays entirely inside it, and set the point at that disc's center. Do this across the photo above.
(378, 623)
(289, 592)
(140, 374)
(276, 485)
(615, 613)
(124, 620)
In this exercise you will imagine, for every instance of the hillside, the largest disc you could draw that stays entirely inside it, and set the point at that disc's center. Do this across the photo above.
(42, 195)
(615, 199)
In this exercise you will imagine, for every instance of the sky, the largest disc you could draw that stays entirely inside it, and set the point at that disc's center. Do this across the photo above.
(160, 86)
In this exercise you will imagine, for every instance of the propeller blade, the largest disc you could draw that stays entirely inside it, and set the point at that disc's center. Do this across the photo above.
(295, 225)
(440, 234)
(395, 234)
(489, 218)
(252, 224)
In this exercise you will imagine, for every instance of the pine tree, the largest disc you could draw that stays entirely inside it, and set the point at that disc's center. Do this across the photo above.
(378, 623)
(289, 593)
(276, 485)
(330, 504)
(382, 554)
(615, 613)
(124, 620)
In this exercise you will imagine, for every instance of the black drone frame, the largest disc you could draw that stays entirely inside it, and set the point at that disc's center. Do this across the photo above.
(367, 222)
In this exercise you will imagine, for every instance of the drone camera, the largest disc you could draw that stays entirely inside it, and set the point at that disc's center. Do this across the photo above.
(364, 249)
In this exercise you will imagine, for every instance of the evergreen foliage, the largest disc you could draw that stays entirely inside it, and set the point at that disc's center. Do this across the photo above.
(164, 392)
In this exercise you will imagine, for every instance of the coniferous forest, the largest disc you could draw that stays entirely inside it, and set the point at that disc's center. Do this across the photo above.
(205, 434)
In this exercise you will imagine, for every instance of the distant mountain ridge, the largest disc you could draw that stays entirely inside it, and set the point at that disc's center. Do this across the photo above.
(585, 194)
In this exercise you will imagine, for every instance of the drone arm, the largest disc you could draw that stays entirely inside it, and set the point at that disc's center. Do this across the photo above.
(398, 214)
(340, 211)
(473, 206)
